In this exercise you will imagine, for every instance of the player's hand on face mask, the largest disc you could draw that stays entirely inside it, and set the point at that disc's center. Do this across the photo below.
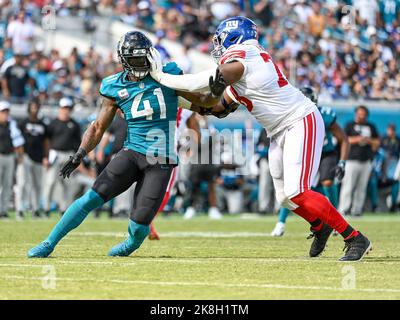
(340, 170)
(217, 84)
(154, 58)
(73, 163)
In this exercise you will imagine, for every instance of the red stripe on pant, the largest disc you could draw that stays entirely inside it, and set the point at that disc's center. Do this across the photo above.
(308, 151)
(313, 205)
(304, 152)
(313, 145)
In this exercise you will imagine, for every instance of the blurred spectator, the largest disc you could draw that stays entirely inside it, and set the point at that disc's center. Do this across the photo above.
(389, 13)
(30, 172)
(65, 137)
(367, 10)
(20, 30)
(16, 80)
(391, 147)
(364, 142)
(222, 9)
(165, 56)
(316, 20)
(376, 179)
(11, 144)
(266, 191)
(263, 11)
(314, 42)
(203, 171)
(230, 182)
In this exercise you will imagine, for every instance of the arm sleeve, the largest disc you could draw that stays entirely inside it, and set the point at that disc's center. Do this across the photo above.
(16, 135)
(187, 82)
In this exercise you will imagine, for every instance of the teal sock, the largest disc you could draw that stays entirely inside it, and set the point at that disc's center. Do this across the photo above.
(283, 214)
(319, 189)
(395, 192)
(373, 190)
(75, 214)
(137, 232)
(332, 194)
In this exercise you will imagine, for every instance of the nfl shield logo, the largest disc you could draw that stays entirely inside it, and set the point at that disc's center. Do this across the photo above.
(123, 94)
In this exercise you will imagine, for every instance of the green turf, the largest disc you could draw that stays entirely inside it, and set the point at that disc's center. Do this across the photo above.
(199, 259)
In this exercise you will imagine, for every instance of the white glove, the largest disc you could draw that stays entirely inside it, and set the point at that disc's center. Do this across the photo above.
(154, 58)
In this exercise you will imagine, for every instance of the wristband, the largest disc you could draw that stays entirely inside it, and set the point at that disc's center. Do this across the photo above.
(81, 153)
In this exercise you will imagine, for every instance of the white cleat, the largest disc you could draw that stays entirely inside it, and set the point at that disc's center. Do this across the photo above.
(279, 230)
(189, 213)
(214, 213)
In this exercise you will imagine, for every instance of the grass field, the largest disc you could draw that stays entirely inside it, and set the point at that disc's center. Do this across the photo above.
(200, 259)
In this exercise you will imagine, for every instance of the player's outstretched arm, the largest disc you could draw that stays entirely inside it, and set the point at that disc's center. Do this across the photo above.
(220, 109)
(186, 82)
(199, 99)
(92, 136)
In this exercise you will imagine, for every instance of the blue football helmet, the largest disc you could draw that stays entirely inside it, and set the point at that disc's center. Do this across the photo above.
(232, 31)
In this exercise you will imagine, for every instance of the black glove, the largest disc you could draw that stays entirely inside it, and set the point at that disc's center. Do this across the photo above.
(339, 170)
(73, 163)
(217, 85)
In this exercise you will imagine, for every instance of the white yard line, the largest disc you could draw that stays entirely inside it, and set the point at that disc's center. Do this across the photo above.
(186, 234)
(206, 284)
(198, 260)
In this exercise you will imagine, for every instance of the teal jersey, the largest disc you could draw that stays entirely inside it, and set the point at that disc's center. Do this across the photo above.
(150, 110)
(389, 10)
(329, 117)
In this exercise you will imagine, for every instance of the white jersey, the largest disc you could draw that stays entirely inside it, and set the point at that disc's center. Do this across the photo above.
(265, 91)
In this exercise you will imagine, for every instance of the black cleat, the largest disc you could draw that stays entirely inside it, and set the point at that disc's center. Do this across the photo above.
(36, 214)
(4, 215)
(356, 248)
(19, 215)
(320, 239)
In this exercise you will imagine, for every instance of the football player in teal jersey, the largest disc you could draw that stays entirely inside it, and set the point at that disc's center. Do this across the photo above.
(148, 155)
(332, 164)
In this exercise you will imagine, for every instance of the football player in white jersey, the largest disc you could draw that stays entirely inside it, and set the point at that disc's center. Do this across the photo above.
(247, 75)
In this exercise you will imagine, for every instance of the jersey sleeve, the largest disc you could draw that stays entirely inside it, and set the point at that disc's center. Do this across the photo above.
(107, 87)
(238, 54)
(172, 68)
